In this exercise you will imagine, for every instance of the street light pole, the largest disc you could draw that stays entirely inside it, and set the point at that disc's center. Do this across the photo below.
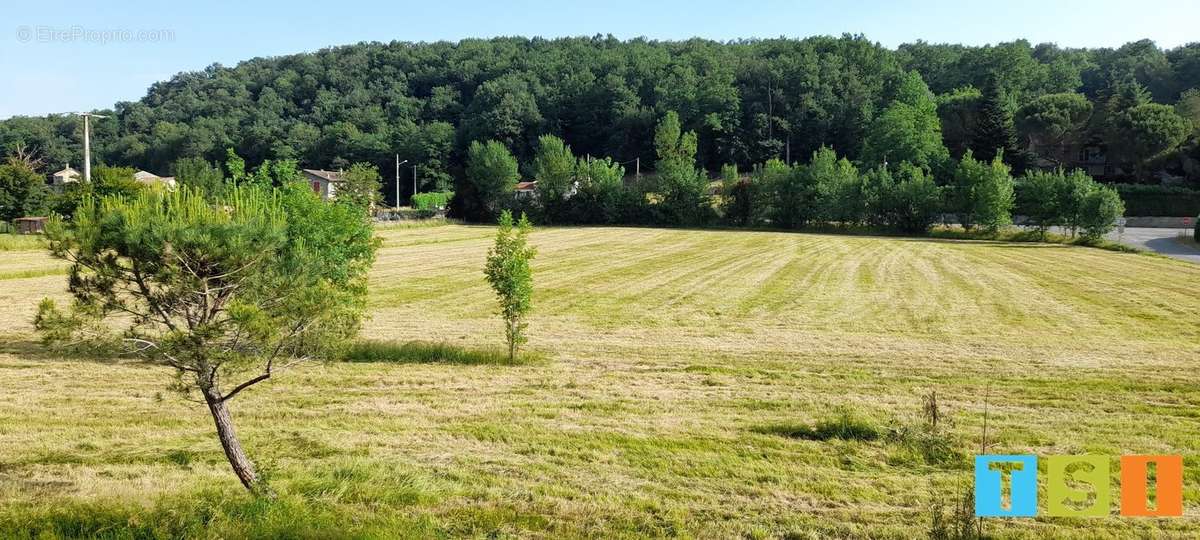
(398, 164)
(414, 178)
(87, 144)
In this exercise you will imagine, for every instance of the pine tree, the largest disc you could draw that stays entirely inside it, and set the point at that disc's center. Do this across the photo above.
(995, 132)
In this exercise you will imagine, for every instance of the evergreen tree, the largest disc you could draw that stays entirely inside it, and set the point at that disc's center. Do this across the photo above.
(995, 132)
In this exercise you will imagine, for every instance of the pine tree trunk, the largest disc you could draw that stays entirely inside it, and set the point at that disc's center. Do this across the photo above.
(241, 464)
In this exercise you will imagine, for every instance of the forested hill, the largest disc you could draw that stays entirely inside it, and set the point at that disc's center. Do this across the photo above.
(747, 100)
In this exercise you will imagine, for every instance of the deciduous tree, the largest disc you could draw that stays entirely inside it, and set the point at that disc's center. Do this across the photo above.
(510, 275)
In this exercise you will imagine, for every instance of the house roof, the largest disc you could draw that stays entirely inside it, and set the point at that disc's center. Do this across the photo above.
(67, 172)
(526, 186)
(329, 176)
(147, 177)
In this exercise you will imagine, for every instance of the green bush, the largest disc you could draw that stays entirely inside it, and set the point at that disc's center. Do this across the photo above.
(1166, 201)
(432, 201)
(1071, 200)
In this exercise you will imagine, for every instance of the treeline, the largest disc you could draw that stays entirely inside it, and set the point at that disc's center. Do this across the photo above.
(827, 191)
(748, 102)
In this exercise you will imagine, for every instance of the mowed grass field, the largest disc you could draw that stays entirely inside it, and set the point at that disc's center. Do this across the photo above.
(667, 355)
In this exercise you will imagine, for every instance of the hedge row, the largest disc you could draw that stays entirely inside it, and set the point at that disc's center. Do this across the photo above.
(432, 201)
(1164, 201)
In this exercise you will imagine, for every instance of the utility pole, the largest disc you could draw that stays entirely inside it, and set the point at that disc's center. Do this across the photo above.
(398, 164)
(87, 144)
(637, 167)
(414, 178)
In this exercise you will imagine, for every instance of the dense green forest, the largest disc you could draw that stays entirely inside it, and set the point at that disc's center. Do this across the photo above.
(747, 101)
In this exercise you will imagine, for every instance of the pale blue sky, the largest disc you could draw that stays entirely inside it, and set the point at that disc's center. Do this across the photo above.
(49, 66)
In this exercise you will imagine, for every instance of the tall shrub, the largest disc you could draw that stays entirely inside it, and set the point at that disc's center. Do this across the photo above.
(983, 193)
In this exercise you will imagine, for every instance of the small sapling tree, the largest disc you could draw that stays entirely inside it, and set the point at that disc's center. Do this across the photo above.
(509, 273)
(226, 290)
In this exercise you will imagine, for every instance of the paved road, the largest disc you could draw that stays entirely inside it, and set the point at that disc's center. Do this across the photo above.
(1165, 241)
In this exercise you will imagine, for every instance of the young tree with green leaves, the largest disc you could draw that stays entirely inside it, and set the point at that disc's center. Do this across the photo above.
(907, 200)
(228, 291)
(554, 170)
(488, 183)
(1100, 208)
(684, 188)
(601, 190)
(835, 188)
(23, 191)
(790, 193)
(361, 186)
(908, 130)
(983, 193)
(508, 272)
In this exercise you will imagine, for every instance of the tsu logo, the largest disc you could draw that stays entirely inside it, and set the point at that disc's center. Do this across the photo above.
(1077, 486)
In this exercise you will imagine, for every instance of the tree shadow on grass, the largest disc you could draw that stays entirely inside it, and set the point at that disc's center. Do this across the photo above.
(29, 348)
(423, 352)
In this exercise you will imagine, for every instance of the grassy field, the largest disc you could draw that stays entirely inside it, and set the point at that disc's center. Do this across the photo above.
(684, 383)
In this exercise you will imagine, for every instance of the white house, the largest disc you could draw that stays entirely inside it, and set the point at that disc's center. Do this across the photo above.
(65, 176)
(324, 183)
(150, 179)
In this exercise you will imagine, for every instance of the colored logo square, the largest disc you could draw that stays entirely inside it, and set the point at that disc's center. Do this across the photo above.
(1006, 486)
(1136, 485)
(1078, 486)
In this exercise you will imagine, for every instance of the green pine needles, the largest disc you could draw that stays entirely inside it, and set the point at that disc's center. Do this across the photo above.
(511, 277)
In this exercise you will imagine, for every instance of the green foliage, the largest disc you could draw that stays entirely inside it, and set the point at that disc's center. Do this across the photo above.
(835, 188)
(217, 288)
(432, 201)
(790, 193)
(1150, 130)
(1099, 209)
(602, 196)
(983, 193)
(1071, 200)
(199, 174)
(554, 170)
(684, 188)
(907, 201)
(908, 130)
(23, 192)
(747, 101)
(1051, 122)
(235, 166)
(508, 272)
(958, 111)
(995, 134)
(1157, 200)
(106, 182)
(488, 185)
(361, 186)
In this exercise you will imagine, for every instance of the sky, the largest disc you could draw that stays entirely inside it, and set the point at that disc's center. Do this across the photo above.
(68, 56)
